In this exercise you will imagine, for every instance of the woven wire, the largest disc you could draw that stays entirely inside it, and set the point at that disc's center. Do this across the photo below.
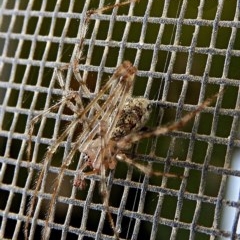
(184, 53)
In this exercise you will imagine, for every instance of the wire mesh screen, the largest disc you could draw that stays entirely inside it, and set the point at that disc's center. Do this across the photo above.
(185, 51)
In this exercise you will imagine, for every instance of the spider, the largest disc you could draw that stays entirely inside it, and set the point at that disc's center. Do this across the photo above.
(111, 122)
(113, 127)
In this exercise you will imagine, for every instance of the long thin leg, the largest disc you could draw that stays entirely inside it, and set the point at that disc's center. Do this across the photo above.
(145, 169)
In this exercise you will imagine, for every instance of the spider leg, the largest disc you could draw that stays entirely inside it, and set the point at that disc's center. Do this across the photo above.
(46, 162)
(145, 169)
(34, 121)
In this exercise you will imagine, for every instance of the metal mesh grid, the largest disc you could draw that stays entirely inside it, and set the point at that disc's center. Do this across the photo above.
(184, 52)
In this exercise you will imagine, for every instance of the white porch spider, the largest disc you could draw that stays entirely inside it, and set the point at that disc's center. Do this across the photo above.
(114, 125)
(112, 128)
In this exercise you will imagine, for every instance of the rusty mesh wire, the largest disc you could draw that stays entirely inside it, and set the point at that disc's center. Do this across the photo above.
(185, 51)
